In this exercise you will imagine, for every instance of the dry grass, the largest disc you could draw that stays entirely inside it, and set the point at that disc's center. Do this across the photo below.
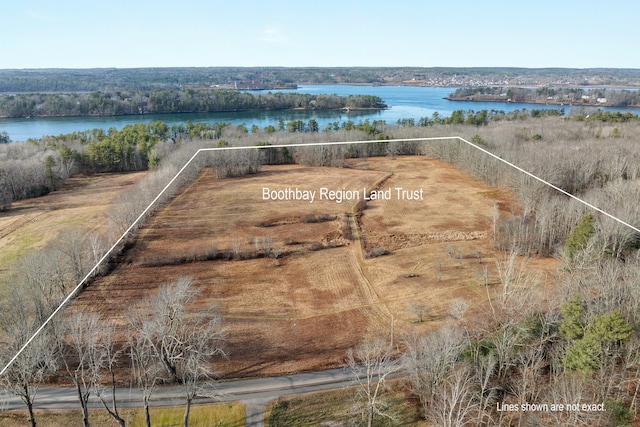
(334, 409)
(32, 223)
(304, 308)
(438, 245)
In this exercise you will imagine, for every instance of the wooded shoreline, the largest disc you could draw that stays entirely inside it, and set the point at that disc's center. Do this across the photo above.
(550, 103)
(137, 102)
(545, 95)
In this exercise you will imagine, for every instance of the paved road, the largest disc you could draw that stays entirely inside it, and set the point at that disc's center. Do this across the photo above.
(254, 393)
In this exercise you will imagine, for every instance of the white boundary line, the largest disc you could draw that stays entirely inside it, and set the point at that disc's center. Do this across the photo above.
(253, 147)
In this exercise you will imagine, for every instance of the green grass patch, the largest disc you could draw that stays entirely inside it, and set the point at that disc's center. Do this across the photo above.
(213, 415)
(19, 247)
(55, 418)
(9, 256)
(334, 408)
(218, 415)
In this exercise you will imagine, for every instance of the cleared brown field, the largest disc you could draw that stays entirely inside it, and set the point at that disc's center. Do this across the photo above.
(296, 294)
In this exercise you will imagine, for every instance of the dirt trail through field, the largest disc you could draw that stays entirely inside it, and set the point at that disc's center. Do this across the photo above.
(16, 224)
(358, 265)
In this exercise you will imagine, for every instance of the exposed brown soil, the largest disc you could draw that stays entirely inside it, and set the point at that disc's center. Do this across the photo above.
(295, 295)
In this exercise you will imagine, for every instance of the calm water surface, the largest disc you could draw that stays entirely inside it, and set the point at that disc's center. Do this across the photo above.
(404, 101)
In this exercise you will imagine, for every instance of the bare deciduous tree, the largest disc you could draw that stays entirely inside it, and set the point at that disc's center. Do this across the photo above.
(17, 323)
(202, 342)
(495, 217)
(42, 276)
(484, 366)
(453, 404)
(169, 338)
(72, 244)
(81, 356)
(458, 308)
(527, 387)
(418, 309)
(428, 360)
(98, 246)
(371, 365)
(513, 302)
(169, 323)
(112, 353)
(6, 196)
(146, 366)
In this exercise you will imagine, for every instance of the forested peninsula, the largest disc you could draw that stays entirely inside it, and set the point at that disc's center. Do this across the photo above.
(114, 103)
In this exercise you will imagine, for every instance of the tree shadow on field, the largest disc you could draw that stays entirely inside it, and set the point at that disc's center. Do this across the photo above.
(256, 356)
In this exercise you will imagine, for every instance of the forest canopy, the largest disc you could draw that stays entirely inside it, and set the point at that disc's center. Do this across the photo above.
(172, 101)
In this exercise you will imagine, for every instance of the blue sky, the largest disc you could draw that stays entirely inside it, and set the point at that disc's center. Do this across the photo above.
(159, 33)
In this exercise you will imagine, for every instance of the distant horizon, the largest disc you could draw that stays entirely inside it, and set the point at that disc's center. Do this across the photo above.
(329, 66)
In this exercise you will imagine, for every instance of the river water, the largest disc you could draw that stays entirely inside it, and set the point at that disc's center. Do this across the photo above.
(405, 102)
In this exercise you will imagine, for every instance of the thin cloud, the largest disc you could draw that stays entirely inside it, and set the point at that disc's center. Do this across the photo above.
(273, 35)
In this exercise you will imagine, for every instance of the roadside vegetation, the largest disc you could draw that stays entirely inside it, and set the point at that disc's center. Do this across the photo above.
(337, 408)
(574, 341)
(209, 415)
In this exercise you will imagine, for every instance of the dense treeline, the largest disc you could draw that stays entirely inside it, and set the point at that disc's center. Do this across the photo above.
(171, 101)
(112, 79)
(36, 168)
(550, 95)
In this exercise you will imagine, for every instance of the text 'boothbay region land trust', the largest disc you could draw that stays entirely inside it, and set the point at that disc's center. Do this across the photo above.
(339, 196)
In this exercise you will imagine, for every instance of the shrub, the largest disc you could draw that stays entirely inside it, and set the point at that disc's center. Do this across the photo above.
(376, 252)
(615, 133)
(579, 237)
(410, 275)
(316, 246)
(619, 413)
(345, 228)
(317, 218)
(263, 224)
(478, 141)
